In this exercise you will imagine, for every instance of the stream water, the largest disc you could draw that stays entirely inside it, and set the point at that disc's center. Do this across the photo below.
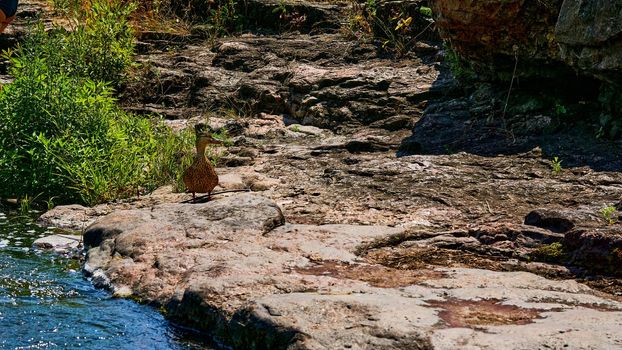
(45, 303)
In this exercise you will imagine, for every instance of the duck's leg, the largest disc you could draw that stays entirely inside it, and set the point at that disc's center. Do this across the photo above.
(193, 196)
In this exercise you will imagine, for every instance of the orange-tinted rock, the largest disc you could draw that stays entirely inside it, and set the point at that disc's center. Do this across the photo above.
(488, 32)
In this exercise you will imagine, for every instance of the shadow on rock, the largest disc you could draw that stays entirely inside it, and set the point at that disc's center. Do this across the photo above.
(560, 120)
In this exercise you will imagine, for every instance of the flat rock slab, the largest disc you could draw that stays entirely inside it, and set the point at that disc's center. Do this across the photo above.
(62, 244)
(233, 267)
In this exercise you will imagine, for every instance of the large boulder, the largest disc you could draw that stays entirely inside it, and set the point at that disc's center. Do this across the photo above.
(492, 34)
(588, 32)
(542, 35)
(572, 49)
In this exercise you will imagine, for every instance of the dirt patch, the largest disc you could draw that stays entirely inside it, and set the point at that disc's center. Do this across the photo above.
(474, 314)
(429, 258)
(425, 258)
(610, 285)
(593, 306)
(375, 275)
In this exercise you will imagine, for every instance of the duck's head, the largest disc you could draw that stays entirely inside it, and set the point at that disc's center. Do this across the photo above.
(208, 139)
(205, 137)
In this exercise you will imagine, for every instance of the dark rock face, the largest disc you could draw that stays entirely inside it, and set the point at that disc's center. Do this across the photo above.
(551, 39)
(550, 220)
(589, 32)
(558, 48)
(599, 250)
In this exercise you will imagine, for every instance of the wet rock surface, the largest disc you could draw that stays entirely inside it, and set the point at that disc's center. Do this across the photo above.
(64, 244)
(386, 211)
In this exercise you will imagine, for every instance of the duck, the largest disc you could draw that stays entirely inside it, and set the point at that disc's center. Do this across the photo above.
(200, 177)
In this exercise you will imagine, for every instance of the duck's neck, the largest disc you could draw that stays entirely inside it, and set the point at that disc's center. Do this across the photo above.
(201, 149)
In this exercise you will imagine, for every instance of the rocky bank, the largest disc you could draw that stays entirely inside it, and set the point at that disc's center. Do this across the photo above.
(387, 209)
(561, 55)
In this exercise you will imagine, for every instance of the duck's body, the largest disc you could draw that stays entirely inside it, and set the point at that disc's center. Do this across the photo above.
(201, 177)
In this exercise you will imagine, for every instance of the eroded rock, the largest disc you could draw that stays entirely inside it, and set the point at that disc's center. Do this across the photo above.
(550, 220)
(254, 281)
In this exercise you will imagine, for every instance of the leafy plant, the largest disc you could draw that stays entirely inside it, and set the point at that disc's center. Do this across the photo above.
(289, 19)
(609, 214)
(426, 11)
(223, 135)
(222, 19)
(65, 7)
(459, 67)
(25, 205)
(553, 252)
(560, 109)
(556, 165)
(62, 135)
(100, 45)
(395, 31)
(610, 119)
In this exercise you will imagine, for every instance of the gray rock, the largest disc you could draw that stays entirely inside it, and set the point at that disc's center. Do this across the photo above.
(318, 80)
(589, 32)
(231, 266)
(61, 244)
(70, 217)
(549, 219)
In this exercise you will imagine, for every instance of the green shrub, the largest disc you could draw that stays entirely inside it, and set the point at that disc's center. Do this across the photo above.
(556, 165)
(62, 135)
(553, 253)
(100, 47)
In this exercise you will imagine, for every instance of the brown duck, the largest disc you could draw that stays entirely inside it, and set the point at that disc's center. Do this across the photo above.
(201, 177)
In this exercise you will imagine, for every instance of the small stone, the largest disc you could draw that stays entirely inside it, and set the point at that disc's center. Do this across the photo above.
(306, 129)
(63, 244)
(122, 291)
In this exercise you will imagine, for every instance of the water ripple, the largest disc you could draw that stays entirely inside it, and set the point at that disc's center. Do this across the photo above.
(45, 303)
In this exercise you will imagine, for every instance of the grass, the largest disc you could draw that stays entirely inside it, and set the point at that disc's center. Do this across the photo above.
(211, 19)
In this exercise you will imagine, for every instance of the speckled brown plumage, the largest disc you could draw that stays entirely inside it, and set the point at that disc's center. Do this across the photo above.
(201, 177)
